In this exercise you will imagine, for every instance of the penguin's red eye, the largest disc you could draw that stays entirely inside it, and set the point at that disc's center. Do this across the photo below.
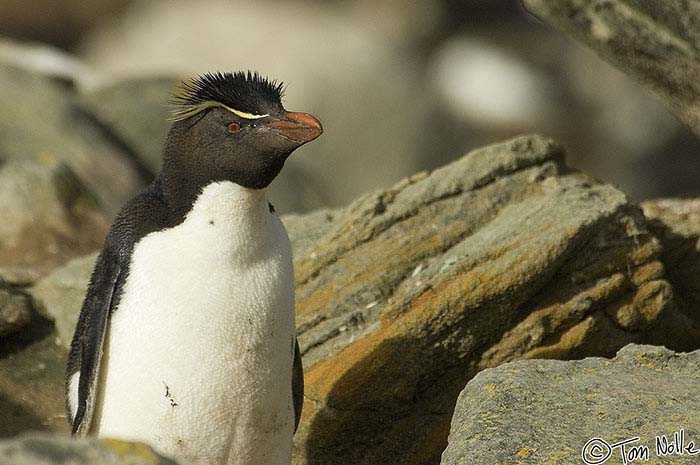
(234, 127)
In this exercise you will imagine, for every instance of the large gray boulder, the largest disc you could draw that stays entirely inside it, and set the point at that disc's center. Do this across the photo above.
(546, 411)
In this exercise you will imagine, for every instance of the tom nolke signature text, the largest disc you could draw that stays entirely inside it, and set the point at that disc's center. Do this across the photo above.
(597, 451)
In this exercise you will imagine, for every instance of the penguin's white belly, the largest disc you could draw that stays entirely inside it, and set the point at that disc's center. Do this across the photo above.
(198, 359)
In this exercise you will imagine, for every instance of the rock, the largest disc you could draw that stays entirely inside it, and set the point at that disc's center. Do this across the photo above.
(409, 292)
(15, 310)
(545, 411)
(676, 222)
(62, 176)
(136, 112)
(49, 216)
(32, 370)
(305, 230)
(46, 449)
(46, 126)
(655, 41)
(59, 295)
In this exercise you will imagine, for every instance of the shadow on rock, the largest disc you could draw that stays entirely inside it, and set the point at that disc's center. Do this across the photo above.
(681, 258)
(38, 329)
(16, 419)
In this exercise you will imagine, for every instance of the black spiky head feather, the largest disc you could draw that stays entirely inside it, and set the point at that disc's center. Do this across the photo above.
(244, 93)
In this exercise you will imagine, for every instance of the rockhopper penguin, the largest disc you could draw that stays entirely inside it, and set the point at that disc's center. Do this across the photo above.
(186, 337)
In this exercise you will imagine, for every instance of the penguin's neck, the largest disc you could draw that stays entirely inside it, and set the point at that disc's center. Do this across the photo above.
(234, 220)
(182, 195)
(226, 199)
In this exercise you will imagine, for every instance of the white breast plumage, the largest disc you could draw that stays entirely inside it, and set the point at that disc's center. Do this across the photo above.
(198, 357)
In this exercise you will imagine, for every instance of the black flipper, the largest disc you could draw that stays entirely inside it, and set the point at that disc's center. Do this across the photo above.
(297, 384)
(87, 346)
(144, 214)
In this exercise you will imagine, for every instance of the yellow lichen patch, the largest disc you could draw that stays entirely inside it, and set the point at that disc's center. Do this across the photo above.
(448, 300)
(526, 452)
(489, 387)
(46, 157)
(133, 449)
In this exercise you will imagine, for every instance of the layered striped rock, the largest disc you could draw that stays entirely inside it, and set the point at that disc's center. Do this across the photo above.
(406, 294)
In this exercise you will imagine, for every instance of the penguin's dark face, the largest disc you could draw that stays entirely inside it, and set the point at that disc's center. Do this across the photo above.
(232, 127)
(220, 145)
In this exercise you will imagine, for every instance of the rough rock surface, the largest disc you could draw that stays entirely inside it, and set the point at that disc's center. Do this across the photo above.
(676, 222)
(32, 370)
(136, 112)
(545, 411)
(57, 450)
(46, 124)
(407, 293)
(59, 296)
(656, 41)
(15, 310)
(49, 215)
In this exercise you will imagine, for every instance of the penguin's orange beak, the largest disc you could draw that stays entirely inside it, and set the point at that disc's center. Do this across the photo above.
(298, 127)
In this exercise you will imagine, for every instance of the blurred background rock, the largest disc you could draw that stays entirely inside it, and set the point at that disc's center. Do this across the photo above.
(400, 86)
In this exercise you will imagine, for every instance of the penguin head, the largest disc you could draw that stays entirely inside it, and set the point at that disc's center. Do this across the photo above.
(232, 126)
